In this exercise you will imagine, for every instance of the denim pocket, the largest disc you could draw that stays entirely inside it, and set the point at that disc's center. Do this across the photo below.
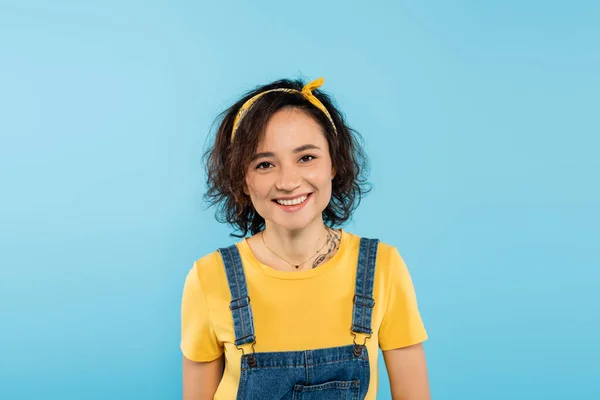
(342, 390)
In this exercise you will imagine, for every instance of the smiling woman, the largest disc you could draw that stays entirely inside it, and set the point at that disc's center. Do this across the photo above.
(299, 307)
(293, 171)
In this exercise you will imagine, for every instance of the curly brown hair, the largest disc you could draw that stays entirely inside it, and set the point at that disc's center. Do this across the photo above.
(226, 160)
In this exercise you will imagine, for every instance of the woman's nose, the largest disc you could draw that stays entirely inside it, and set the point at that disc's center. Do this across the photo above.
(289, 179)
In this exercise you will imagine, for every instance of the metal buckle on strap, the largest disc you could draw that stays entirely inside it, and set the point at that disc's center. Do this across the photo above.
(358, 348)
(365, 342)
(250, 358)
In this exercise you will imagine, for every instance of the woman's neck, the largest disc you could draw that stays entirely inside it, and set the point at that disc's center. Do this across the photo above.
(307, 247)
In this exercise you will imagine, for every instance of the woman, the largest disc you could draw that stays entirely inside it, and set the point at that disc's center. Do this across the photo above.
(298, 309)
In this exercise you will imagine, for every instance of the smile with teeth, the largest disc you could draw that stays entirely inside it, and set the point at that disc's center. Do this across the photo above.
(293, 202)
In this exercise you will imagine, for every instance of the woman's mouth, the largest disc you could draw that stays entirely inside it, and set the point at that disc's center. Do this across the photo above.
(294, 204)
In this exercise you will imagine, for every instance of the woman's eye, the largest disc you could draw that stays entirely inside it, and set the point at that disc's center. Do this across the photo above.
(263, 165)
(308, 157)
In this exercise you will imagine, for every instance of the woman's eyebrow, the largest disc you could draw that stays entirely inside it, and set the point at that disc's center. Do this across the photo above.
(306, 147)
(296, 150)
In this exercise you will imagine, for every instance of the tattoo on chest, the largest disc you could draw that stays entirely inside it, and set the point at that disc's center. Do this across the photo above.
(333, 241)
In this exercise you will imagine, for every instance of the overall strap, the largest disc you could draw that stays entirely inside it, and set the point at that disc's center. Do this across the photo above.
(243, 322)
(363, 292)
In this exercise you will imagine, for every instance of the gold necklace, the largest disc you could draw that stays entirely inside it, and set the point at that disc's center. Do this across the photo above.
(262, 235)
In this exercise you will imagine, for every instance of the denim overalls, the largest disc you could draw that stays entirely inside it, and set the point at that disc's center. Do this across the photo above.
(331, 373)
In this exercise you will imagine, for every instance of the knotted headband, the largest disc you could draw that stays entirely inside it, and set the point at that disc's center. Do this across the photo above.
(306, 92)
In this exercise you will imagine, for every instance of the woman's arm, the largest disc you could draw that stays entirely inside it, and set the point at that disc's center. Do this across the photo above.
(407, 370)
(201, 379)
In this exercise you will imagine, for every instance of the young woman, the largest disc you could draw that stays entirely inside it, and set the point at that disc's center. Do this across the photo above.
(299, 308)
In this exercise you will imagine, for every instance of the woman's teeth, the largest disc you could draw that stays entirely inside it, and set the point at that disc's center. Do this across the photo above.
(294, 202)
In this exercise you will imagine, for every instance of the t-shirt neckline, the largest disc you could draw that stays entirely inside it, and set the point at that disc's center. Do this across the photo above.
(247, 254)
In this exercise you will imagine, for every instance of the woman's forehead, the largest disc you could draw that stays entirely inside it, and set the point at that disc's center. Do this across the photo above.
(289, 128)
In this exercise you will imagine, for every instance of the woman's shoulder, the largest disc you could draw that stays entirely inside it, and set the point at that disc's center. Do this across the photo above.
(209, 265)
(390, 265)
(388, 255)
(208, 260)
(384, 248)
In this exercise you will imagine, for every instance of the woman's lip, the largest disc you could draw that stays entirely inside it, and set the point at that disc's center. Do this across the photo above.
(291, 198)
(295, 207)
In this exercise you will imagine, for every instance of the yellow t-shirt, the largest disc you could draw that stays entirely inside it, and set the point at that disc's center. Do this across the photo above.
(300, 310)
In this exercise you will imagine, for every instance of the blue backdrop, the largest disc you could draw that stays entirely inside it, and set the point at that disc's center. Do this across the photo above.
(481, 119)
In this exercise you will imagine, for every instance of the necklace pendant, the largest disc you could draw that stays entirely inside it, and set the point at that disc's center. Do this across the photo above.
(297, 266)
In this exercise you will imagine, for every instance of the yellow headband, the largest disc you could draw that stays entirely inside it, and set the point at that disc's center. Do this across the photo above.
(306, 92)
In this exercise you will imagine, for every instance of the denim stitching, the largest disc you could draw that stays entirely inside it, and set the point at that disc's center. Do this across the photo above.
(330, 385)
(308, 365)
(292, 366)
(356, 311)
(238, 294)
(364, 287)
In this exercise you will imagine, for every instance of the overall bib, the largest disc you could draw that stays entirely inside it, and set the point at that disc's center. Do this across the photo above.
(331, 373)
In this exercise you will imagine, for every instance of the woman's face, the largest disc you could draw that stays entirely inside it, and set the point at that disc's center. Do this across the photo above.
(289, 177)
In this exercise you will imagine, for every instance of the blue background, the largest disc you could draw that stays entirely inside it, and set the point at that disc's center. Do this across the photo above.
(481, 119)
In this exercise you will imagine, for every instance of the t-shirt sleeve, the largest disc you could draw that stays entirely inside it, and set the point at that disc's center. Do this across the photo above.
(198, 339)
(402, 324)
